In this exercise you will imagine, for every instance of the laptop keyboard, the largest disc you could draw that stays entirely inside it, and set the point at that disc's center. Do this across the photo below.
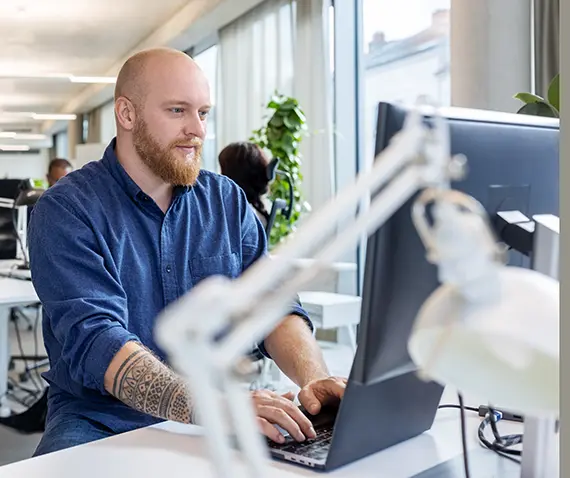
(316, 448)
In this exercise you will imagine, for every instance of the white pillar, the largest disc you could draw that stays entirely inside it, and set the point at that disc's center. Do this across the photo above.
(490, 53)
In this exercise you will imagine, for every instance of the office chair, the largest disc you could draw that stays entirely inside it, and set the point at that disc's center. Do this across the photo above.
(279, 206)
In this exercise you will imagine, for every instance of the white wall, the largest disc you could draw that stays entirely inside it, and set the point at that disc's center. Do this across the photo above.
(22, 166)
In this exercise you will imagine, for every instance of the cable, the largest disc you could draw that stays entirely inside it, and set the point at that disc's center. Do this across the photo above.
(501, 444)
(452, 405)
(19, 339)
(464, 436)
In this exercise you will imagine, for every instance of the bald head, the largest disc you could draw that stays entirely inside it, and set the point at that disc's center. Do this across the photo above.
(162, 102)
(137, 74)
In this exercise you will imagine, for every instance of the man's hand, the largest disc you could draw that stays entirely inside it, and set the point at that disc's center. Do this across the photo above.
(273, 409)
(327, 391)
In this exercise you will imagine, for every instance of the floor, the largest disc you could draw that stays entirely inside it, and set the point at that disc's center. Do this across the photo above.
(15, 446)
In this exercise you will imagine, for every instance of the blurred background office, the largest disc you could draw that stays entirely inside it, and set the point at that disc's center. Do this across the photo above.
(300, 78)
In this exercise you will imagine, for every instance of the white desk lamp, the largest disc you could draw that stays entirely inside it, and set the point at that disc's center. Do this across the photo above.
(477, 292)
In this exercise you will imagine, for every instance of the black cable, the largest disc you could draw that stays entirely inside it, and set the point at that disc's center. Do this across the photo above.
(464, 436)
(502, 443)
(452, 405)
(19, 339)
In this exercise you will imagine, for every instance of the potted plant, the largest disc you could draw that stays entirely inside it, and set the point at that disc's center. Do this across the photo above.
(538, 106)
(281, 137)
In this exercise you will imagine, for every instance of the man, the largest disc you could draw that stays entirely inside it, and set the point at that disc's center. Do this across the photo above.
(58, 168)
(116, 241)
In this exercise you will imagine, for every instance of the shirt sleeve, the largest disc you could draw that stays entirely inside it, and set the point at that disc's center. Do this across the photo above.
(254, 246)
(85, 307)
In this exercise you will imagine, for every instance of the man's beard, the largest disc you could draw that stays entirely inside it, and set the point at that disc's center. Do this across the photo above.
(163, 161)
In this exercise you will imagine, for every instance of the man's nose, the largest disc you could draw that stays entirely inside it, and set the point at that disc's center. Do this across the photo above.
(194, 126)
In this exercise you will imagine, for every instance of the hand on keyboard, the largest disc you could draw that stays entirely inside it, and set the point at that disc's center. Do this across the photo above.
(274, 409)
(318, 393)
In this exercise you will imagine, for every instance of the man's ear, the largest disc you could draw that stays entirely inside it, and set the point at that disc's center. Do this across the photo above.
(125, 113)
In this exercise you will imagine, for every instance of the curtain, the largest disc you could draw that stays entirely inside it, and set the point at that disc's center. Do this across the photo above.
(255, 59)
(313, 88)
(546, 43)
(281, 45)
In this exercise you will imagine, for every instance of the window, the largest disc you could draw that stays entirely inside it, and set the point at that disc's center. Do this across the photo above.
(208, 61)
(406, 54)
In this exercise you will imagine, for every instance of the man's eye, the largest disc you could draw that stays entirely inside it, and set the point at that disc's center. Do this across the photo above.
(204, 114)
(177, 110)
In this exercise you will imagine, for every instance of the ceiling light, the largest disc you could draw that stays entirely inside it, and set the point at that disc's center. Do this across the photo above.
(52, 116)
(14, 147)
(23, 136)
(92, 79)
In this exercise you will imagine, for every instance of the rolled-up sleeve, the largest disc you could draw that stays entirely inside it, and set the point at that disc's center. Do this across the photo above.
(254, 246)
(85, 307)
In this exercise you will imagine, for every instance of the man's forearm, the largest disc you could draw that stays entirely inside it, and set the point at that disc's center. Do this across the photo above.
(141, 381)
(296, 352)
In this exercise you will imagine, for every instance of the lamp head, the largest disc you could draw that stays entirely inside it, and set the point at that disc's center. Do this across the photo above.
(490, 330)
(505, 352)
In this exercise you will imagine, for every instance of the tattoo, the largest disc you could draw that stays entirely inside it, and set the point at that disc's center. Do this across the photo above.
(144, 383)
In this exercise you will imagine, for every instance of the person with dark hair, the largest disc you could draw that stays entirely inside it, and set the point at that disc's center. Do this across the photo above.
(246, 164)
(57, 169)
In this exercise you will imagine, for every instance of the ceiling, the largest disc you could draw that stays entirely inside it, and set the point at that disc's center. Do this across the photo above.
(44, 40)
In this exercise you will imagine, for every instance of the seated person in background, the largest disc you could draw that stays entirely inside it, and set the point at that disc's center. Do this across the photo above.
(113, 243)
(58, 168)
(246, 164)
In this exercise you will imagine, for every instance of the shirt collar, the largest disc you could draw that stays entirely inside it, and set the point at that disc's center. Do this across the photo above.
(116, 169)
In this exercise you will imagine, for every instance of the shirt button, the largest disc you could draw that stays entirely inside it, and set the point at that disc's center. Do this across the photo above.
(168, 269)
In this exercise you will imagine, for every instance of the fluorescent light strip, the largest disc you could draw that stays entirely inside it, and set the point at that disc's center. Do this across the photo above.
(51, 116)
(38, 116)
(14, 147)
(93, 79)
(22, 136)
(61, 76)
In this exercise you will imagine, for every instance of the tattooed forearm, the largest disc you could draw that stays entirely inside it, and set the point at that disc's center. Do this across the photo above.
(144, 383)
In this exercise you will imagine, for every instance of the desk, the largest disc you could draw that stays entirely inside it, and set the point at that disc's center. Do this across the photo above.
(13, 292)
(171, 449)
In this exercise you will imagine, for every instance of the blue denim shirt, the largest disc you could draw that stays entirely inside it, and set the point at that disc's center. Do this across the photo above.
(105, 260)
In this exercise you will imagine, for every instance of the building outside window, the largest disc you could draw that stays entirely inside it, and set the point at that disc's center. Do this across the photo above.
(406, 55)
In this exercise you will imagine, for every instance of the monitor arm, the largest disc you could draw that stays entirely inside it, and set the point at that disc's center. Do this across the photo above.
(211, 353)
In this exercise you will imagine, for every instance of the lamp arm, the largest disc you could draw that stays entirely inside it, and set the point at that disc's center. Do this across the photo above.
(209, 353)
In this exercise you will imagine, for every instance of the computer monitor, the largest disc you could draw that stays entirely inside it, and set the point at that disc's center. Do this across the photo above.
(9, 189)
(512, 165)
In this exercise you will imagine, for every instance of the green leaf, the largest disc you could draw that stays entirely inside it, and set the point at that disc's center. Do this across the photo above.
(300, 115)
(528, 98)
(539, 109)
(277, 121)
(554, 92)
